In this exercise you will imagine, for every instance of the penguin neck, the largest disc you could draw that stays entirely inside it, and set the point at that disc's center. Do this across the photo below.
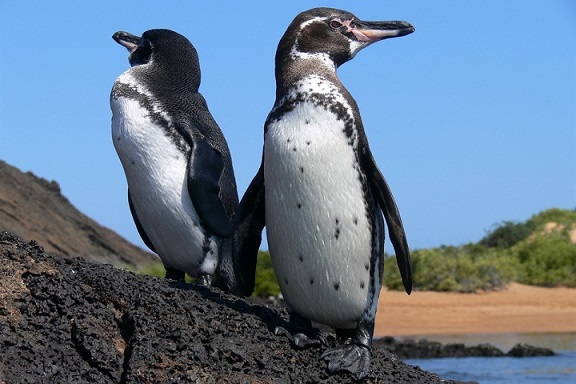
(297, 66)
(161, 79)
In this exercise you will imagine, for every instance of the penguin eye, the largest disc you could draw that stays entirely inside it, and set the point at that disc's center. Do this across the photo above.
(142, 54)
(335, 24)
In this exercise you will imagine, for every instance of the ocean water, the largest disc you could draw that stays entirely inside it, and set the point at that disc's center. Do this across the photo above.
(491, 370)
(557, 369)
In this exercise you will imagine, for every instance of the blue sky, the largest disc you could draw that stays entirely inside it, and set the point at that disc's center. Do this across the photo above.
(472, 118)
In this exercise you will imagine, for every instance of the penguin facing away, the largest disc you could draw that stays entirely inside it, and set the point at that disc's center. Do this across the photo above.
(319, 191)
(181, 186)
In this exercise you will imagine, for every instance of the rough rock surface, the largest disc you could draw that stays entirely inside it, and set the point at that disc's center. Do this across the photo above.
(34, 209)
(68, 320)
(525, 350)
(424, 349)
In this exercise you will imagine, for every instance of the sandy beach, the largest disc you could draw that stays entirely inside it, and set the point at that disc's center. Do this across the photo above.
(518, 309)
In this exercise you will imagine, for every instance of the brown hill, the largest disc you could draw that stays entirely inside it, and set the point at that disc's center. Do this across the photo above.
(34, 209)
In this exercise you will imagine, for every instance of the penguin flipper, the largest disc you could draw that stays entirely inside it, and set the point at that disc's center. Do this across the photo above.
(393, 220)
(249, 223)
(205, 168)
(139, 227)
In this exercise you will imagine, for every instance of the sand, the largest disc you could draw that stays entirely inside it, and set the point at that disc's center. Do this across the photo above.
(518, 309)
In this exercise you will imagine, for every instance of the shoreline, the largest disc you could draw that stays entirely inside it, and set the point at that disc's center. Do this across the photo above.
(519, 309)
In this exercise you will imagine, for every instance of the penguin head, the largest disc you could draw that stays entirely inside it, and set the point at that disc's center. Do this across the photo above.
(165, 51)
(336, 34)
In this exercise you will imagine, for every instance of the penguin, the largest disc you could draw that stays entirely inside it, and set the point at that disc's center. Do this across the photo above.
(181, 186)
(319, 192)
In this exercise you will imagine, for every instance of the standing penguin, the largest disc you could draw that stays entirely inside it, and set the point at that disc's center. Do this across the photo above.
(181, 187)
(319, 191)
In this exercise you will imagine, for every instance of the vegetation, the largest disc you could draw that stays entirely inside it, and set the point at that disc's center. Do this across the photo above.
(266, 283)
(548, 260)
(508, 234)
(157, 269)
(462, 269)
(538, 251)
(153, 269)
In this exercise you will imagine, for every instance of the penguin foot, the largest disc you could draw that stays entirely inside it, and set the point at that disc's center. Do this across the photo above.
(204, 280)
(351, 358)
(300, 340)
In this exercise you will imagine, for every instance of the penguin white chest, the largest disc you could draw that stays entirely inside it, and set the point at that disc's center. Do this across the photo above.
(318, 221)
(156, 174)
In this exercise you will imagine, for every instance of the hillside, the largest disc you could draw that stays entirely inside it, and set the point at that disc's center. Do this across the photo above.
(34, 209)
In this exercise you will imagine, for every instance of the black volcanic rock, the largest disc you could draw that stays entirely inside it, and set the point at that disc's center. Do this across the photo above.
(425, 349)
(34, 209)
(525, 350)
(68, 320)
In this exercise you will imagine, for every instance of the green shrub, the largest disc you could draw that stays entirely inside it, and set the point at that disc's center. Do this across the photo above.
(153, 269)
(563, 217)
(547, 260)
(157, 269)
(266, 283)
(392, 279)
(507, 234)
(462, 269)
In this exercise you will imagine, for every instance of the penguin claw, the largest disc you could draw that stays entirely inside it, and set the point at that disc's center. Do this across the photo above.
(351, 358)
(204, 280)
(299, 340)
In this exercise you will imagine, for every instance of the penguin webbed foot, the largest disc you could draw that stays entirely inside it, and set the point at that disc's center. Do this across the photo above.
(300, 340)
(204, 280)
(352, 358)
(304, 335)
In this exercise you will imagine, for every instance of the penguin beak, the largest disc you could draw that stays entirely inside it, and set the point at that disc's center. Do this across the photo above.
(127, 40)
(372, 31)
